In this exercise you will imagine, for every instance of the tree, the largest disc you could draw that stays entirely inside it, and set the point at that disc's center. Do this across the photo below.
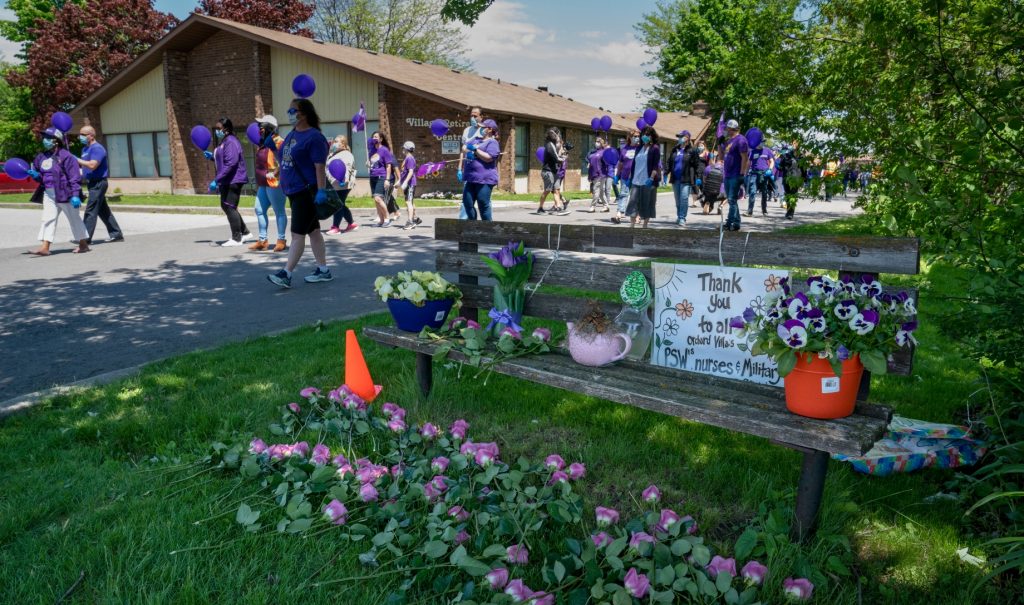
(283, 15)
(466, 11)
(414, 29)
(16, 139)
(82, 47)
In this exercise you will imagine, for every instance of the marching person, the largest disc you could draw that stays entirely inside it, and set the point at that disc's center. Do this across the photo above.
(761, 178)
(683, 159)
(231, 175)
(94, 172)
(268, 185)
(643, 194)
(474, 131)
(554, 156)
(341, 151)
(736, 161)
(407, 184)
(481, 172)
(381, 176)
(598, 173)
(623, 173)
(60, 182)
(304, 180)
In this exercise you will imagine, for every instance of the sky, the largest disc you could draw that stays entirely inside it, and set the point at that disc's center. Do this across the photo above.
(581, 49)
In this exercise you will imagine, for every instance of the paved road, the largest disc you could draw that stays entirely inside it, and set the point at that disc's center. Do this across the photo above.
(167, 290)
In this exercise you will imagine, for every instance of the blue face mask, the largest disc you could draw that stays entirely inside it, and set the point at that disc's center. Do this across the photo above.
(219, 134)
(472, 122)
(84, 140)
(646, 139)
(293, 117)
(48, 144)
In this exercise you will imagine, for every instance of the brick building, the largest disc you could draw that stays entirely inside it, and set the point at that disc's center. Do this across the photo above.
(207, 68)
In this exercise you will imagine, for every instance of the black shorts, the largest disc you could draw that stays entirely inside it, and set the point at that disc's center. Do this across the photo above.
(304, 219)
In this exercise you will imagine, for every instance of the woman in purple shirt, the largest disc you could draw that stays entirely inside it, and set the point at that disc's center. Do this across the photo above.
(231, 175)
(481, 172)
(381, 175)
(60, 186)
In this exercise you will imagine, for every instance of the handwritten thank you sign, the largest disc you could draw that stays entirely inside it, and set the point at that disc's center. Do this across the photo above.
(693, 306)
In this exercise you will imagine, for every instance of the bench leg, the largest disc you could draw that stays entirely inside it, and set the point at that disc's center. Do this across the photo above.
(809, 493)
(424, 372)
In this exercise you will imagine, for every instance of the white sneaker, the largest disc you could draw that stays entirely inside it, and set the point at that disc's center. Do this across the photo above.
(386, 223)
(248, 237)
(230, 243)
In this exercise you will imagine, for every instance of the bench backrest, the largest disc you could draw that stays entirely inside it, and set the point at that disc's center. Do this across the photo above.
(588, 264)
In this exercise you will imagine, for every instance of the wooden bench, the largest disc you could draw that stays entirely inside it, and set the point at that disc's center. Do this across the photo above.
(593, 258)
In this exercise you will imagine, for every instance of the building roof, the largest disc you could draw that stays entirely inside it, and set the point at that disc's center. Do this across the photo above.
(441, 84)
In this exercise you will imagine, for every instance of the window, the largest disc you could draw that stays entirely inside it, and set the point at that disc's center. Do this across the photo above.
(586, 146)
(163, 154)
(523, 149)
(118, 156)
(138, 155)
(143, 158)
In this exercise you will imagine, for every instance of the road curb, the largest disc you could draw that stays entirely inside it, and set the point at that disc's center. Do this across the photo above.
(215, 211)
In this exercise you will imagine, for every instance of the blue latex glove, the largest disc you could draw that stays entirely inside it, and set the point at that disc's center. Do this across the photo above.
(208, 155)
(76, 202)
(699, 182)
(628, 183)
(768, 174)
(321, 197)
(471, 146)
(213, 185)
(32, 172)
(470, 156)
(649, 183)
(616, 179)
(459, 175)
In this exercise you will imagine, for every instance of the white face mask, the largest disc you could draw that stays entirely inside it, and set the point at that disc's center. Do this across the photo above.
(636, 140)
(597, 145)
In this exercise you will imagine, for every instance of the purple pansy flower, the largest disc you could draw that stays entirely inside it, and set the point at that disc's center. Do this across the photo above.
(558, 477)
(638, 538)
(461, 537)
(906, 333)
(518, 590)
(429, 431)
(845, 310)
(294, 408)
(793, 333)
(816, 320)
(798, 305)
(543, 334)
(321, 455)
(864, 322)
(368, 493)
(458, 513)
(458, 429)
(749, 315)
(440, 464)
(667, 519)
(719, 564)
(309, 392)
(737, 323)
(396, 424)
(869, 286)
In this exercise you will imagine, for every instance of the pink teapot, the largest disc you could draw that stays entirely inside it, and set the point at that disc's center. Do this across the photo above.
(601, 350)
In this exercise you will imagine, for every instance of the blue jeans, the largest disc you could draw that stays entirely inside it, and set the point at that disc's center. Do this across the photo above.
(732, 193)
(622, 199)
(751, 186)
(267, 197)
(682, 194)
(477, 195)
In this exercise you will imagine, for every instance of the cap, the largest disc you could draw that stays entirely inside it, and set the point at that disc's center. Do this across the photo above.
(53, 133)
(268, 119)
(684, 133)
(489, 123)
(732, 124)
(408, 145)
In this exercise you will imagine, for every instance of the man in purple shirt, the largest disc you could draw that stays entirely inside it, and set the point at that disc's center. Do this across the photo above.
(737, 160)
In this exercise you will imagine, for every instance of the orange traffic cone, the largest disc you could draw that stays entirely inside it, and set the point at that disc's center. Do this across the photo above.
(357, 375)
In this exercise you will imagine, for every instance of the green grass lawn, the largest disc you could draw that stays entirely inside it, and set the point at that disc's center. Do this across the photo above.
(89, 485)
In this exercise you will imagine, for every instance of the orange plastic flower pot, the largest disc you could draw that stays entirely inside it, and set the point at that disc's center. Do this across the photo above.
(814, 390)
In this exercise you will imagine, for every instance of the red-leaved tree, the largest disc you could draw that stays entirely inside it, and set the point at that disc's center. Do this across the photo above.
(283, 15)
(83, 47)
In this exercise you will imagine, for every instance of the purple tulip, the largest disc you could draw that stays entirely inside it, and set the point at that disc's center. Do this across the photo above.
(279, 451)
(390, 410)
(397, 470)
(459, 427)
(542, 598)
(458, 513)
(472, 324)
(497, 578)
(430, 492)
(606, 516)
(542, 334)
(517, 554)
(749, 315)
(486, 454)
(294, 408)
(577, 471)
(257, 446)
(507, 331)
(300, 449)
(799, 589)
(504, 256)
(461, 537)
(667, 520)
(793, 333)
(554, 462)
(309, 392)
(368, 493)
(639, 538)
(458, 323)
(397, 425)
(558, 477)
(690, 524)
(718, 565)
(439, 464)
(518, 590)
(637, 584)
(754, 573)
(651, 495)
(429, 431)
(321, 455)
(601, 539)
(336, 512)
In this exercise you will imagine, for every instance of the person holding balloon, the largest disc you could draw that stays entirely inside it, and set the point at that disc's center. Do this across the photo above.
(304, 180)
(94, 171)
(60, 182)
(231, 175)
(481, 172)
(381, 175)
(624, 173)
(268, 184)
(646, 176)
(345, 168)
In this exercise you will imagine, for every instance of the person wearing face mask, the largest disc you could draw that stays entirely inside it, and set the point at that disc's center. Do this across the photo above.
(554, 155)
(231, 175)
(407, 184)
(598, 172)
(643, 193)
(474, 131)
(623, 173)
(700, 163)
(381, 176)
(761, 177)
(481, 172)
(736, 162)
(94, 172)
(60, 181)
(304, 180)
(341, 151)
(268, 185)
(683, 161)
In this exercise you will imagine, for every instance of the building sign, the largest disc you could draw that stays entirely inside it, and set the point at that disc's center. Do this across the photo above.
(693, 305)
(451, 147)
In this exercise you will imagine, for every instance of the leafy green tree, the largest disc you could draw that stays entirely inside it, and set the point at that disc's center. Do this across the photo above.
(26, 13)
(465, 11)
(16, 112)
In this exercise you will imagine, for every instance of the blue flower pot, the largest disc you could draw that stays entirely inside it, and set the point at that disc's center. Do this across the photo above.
(410, 318)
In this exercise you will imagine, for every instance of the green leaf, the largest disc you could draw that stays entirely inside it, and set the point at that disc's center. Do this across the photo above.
(457, 555)
(384, 537)
(723, 582)
(473, 567)
(246, 515)
(494, 550)
(681, 547)
(874, 361)
(616, 547)
(299, 525)
(746, 543)
(580, 596)
(435, 549)
(622, 598)
(559, 571)
(786, 362)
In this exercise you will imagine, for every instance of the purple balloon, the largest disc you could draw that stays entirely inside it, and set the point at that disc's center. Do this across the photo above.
(595, 124)
(303, 86)
(640, 124)
(650, 116)
(754, 137)
(253, 132)
(606, 123)
(540, 154)
(337, 170)
(201, 137)
(16, 168)
(439, 127)
(61, 121)
(610, 156)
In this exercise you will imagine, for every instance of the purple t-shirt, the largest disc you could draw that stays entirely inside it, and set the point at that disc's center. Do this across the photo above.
(299, 154)
(735, 150)
(626, 155)
(384, 159)
(597, 168)
(761, 158)
(478, 171)
(409, 167)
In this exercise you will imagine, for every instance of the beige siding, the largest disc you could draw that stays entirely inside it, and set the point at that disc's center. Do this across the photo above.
(140, 107)
(338, 91)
